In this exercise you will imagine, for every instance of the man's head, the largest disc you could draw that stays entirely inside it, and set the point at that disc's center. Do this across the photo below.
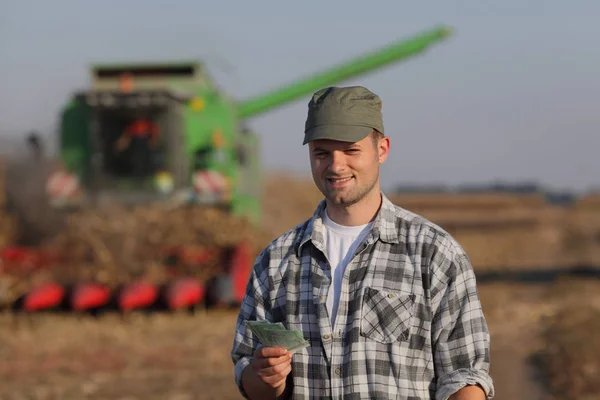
(344, 131)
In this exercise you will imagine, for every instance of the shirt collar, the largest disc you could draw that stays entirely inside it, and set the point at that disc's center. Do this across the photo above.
(385, 226)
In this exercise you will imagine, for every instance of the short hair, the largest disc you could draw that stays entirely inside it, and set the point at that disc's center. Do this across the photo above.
(375, 136)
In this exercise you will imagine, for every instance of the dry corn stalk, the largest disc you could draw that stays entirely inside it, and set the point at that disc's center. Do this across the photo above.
(115, 245)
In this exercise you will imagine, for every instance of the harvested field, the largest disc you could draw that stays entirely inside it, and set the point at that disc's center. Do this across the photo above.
(589, 202)
(150, 357)
(179, 356)
(570, 359)
(539, 339)
(464, 201)
(498, 231)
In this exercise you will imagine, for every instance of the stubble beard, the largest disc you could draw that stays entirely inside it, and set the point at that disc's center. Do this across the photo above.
(355, 195)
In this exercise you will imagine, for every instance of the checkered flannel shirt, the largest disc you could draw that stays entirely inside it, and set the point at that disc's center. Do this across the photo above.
(409, 324)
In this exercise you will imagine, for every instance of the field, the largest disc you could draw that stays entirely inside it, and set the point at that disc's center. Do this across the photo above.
(187, 356)
(149, 357)
(544, 334)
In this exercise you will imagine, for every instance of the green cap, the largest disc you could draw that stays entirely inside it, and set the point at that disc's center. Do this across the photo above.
(348, 114)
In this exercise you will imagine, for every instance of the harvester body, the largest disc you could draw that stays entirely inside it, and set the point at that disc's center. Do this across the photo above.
(201, 155)
(205, 155)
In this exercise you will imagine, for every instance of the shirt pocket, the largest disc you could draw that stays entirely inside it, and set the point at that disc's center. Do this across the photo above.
(386, 316)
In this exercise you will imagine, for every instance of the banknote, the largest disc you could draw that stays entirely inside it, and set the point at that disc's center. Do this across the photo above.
(257, 327)
(276, 335)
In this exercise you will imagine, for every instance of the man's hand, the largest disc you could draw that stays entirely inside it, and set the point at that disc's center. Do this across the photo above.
(272, 365)
(266, 376)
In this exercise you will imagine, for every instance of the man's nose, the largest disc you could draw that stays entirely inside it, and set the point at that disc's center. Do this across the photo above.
(338, 162)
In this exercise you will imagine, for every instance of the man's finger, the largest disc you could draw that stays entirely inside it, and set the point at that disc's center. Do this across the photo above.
(275, 369)
(281, 382)
(266, 352)
(277, 379)
(262, 363)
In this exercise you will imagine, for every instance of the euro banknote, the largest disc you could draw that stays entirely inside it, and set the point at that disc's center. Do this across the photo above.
(276, 335)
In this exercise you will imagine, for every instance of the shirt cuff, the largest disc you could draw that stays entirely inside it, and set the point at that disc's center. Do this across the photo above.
(238, 371)
(450, 383)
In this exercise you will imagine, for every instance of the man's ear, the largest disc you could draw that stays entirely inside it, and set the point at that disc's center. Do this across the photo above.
(383, 149)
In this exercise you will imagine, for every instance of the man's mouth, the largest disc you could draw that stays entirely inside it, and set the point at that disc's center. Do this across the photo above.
(339, 180)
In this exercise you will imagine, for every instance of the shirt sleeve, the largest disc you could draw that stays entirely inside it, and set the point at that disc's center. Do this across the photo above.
(254, 307)
(460, 336)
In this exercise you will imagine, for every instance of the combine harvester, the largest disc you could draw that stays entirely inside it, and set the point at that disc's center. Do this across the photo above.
(205, 157)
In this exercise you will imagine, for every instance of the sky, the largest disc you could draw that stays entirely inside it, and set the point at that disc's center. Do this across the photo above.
(513, 95)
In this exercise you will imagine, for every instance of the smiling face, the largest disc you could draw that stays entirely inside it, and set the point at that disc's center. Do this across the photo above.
(347, 173)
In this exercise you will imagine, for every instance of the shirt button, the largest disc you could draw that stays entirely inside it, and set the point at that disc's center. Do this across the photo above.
(321, 298)
(390, 295)
(325, 336)
(338, 371)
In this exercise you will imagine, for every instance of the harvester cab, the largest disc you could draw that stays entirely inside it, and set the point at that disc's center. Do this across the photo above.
(132, 135)
(149, 132)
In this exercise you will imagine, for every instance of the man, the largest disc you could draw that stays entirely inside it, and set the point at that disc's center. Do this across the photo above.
(141, 136)
(386, 298)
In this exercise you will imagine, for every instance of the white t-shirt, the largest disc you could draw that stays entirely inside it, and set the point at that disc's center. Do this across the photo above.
(340, 244)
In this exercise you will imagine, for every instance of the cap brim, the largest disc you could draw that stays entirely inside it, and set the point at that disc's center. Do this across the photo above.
(343, 133)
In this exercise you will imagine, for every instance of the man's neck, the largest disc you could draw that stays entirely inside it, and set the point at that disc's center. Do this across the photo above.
(357, 214)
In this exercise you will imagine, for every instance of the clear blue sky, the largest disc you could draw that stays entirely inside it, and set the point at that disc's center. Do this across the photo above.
(514, 95)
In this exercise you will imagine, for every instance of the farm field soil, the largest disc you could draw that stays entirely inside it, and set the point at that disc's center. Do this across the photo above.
(181, 356)
(163, 356)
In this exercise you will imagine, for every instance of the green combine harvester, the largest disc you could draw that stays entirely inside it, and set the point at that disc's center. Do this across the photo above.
(202, 152)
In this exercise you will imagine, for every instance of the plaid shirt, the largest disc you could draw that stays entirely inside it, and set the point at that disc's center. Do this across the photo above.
(409, 324)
